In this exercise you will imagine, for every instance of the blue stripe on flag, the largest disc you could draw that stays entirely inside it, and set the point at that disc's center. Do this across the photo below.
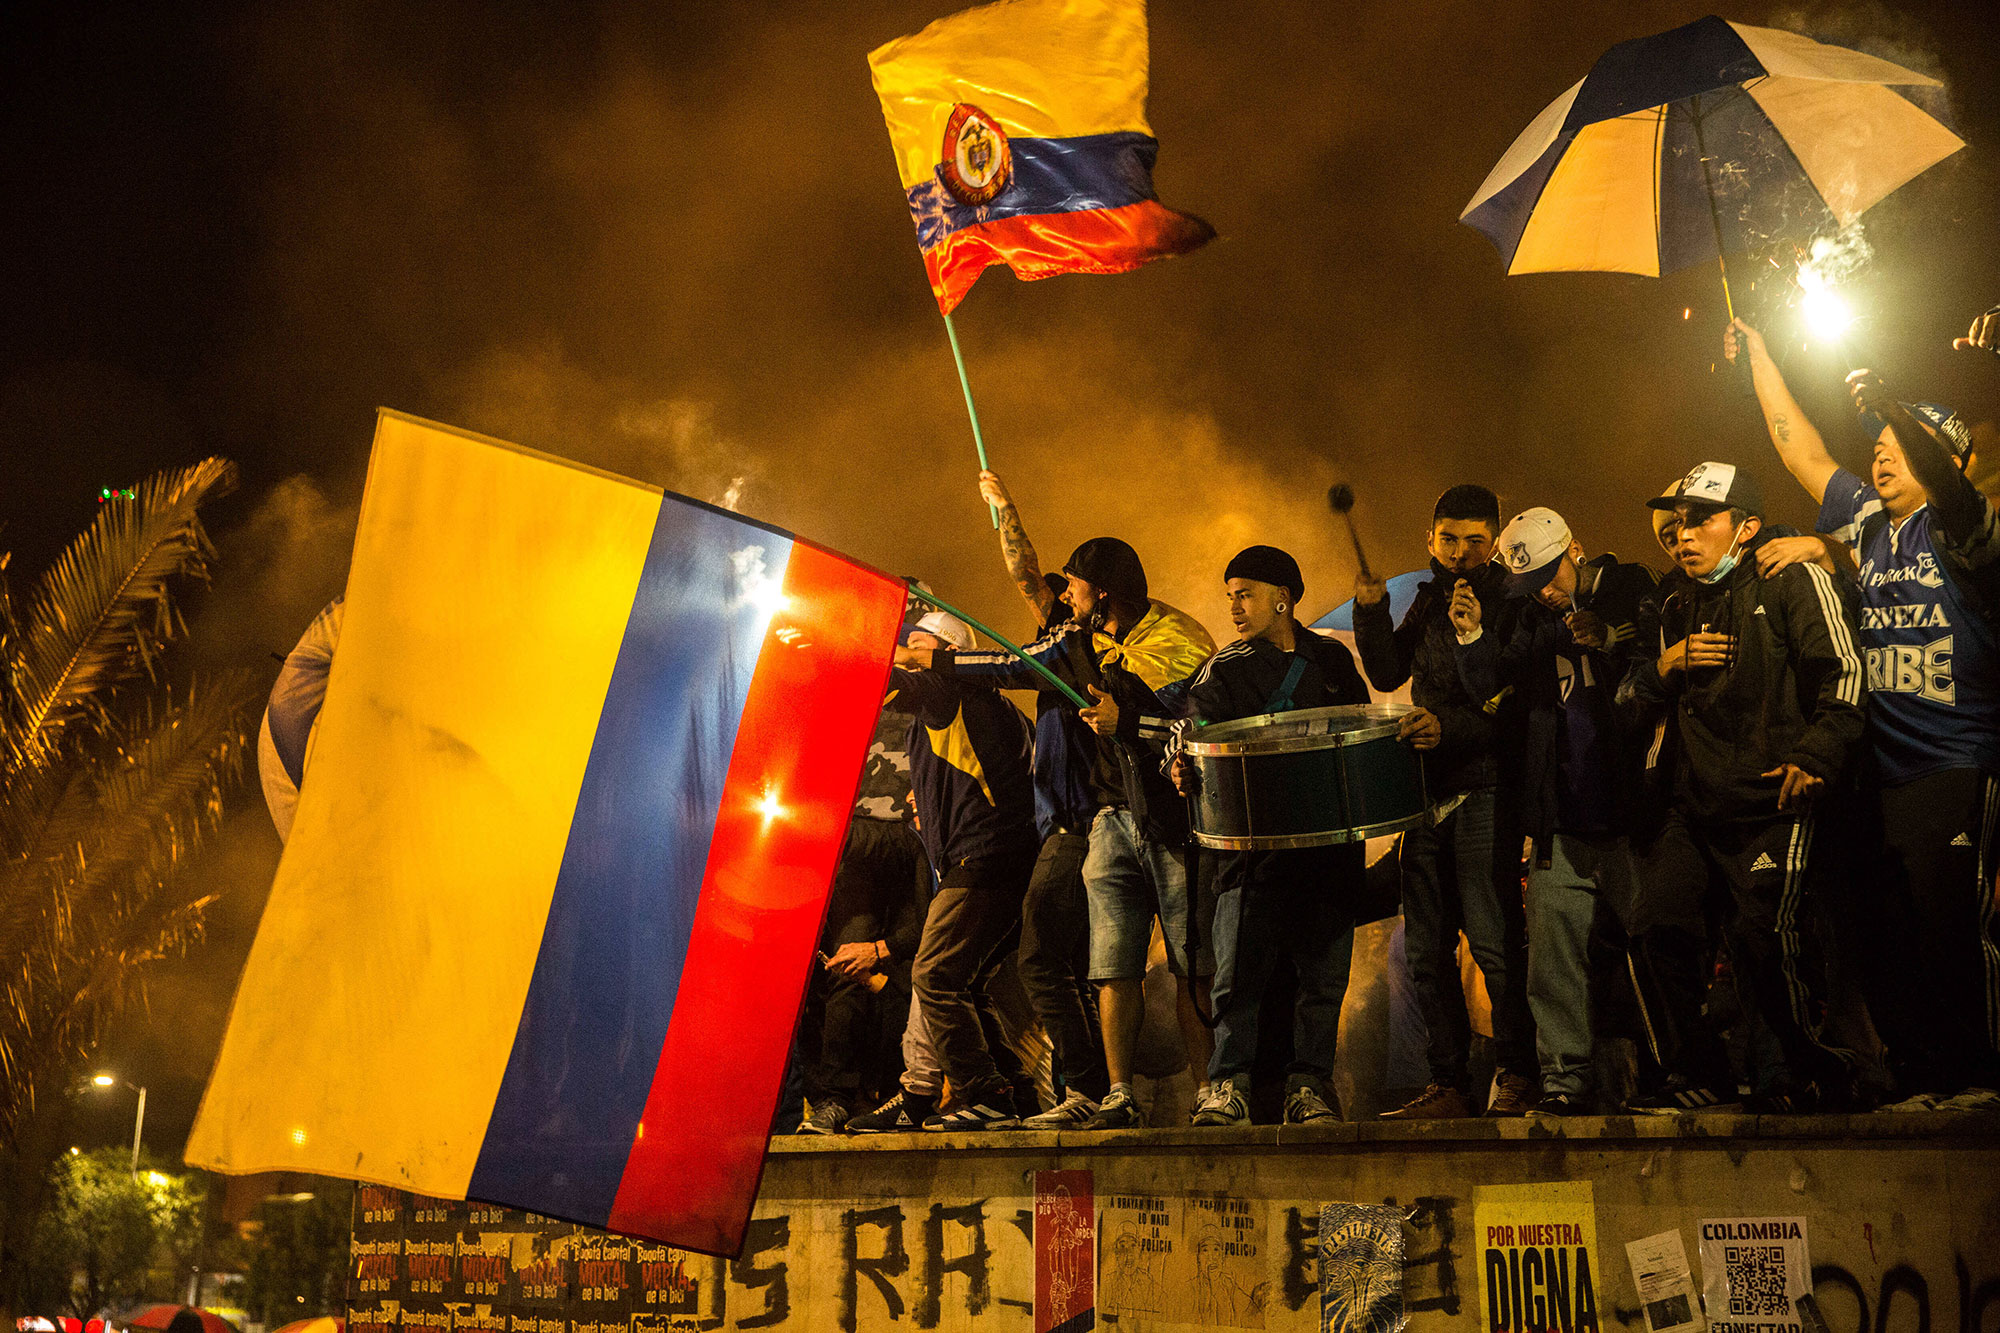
(611, 955)
(1090, 171)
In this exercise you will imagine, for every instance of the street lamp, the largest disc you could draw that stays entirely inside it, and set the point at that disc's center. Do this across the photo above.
(138, 1121)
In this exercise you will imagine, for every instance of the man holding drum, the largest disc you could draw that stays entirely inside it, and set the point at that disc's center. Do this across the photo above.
(1580, 782)
(1299, 900)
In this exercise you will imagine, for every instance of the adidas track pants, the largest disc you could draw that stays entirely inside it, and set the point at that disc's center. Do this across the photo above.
(1756, 881)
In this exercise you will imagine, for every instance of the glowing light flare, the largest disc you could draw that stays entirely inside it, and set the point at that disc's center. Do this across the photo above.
(156, 1179)
(770, 807)
(103, 1080)
(1826, 314)
(299, 1137)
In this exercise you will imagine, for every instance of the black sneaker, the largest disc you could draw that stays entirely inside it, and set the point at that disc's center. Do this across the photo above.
(829, 1117)
(1307, 1104)
(1682, 1098)
(1801, 1100)
(903, 1113)
(1561, 1104)
(1117, 1111)
(993, 1110)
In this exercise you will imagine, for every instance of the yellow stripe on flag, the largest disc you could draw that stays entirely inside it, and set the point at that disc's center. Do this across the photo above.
(1598, 211)
(486, 604)
(1043, 69)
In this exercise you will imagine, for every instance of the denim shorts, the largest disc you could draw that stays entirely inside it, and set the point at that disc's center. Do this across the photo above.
(1130, 880)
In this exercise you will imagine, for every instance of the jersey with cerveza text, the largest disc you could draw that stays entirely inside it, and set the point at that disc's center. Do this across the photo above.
(1927, 633)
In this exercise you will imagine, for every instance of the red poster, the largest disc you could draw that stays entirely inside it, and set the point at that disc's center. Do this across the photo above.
(1065, 1252)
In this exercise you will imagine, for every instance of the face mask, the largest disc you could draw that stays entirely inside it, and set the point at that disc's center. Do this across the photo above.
(1728, 562)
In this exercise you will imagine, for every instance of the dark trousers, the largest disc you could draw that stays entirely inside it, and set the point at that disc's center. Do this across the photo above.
(1054, 963)
(1934, 979)
(969, 935)
(1757, 880)
(878, 893)
(1468, 870)
(1296, 904)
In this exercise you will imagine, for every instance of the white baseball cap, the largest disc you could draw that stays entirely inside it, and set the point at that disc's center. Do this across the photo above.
(1532, 547)
(949, 628)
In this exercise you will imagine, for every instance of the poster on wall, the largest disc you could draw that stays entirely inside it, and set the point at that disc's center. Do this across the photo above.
(1220, 1278)
(1538, 1254)
(1665, 1285)
(1065, 1252)
(1753, 1271)
(1360, 1269)
(1136, 1240)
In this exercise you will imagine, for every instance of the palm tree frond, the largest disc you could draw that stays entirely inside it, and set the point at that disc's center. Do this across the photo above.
(102, 611)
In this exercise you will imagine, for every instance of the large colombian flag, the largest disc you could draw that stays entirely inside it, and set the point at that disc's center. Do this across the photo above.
(549, 903)
(1020, 133)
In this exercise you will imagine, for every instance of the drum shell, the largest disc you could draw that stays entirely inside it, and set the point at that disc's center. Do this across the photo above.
(1353, 781)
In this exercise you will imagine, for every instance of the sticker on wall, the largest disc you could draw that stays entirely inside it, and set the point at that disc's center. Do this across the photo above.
(1753, 1271)
(1065, 1252)
(1666, 1286)
(1360, 1269)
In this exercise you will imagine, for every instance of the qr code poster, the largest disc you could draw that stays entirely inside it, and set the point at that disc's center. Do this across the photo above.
(1537, 1246)
(1753, 1269)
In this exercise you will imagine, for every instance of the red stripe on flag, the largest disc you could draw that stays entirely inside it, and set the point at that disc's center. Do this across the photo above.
(691, 1178)
(1042, 245)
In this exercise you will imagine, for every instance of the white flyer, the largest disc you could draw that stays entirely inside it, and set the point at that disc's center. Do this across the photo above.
(1666, 1285)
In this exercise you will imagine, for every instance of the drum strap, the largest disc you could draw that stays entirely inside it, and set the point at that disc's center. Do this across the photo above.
(1281, 699)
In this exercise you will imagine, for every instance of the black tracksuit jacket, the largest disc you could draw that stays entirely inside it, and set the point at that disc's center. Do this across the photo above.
(1793, 694)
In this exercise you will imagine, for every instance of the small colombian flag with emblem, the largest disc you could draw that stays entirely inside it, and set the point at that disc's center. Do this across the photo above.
(1020, 133)
(562, 849)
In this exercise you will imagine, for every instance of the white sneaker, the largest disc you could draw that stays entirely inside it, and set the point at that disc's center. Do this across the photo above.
(1071, 1111)
(1223, 1107)
(1922, 1101)
(1972, 1099)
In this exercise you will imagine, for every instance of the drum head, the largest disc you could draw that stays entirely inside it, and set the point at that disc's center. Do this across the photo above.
(1302, 729)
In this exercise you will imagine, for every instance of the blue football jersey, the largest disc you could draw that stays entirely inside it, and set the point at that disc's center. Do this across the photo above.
(1927, 635)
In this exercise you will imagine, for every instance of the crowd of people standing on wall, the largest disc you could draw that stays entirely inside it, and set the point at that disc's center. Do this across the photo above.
(1757, 792)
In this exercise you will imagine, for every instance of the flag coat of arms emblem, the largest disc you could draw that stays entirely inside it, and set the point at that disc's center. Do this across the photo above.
(561, 856)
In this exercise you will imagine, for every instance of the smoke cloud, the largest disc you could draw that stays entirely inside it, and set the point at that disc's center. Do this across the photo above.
(669, 241)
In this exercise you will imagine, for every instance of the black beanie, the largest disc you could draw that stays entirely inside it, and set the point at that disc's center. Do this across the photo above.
(1110, 564)
(1267, 564)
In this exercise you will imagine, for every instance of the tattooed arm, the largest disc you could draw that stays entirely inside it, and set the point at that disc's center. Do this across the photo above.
(1799, 445)
(1016, 549)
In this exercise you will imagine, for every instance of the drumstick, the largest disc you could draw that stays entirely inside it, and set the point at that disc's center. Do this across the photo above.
(1340, 499)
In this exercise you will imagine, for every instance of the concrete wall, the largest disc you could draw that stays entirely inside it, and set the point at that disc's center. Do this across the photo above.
(1903, 1220)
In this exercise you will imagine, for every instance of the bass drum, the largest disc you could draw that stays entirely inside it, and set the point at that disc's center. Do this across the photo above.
(1310, 778)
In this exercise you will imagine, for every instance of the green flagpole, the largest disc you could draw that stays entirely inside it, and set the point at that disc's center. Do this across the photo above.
(1000, 639)
(972, 411)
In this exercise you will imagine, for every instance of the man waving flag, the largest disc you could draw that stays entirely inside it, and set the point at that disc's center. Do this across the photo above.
(1020, 133)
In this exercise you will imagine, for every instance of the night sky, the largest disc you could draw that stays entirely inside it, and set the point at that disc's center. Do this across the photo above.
(669, 241)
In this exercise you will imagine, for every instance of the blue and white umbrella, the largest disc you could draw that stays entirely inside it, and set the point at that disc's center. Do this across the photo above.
(284, 740)
(1703, 141)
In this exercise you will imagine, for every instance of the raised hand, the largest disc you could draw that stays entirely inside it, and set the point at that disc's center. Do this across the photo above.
(1464, 609)
(1984, 335)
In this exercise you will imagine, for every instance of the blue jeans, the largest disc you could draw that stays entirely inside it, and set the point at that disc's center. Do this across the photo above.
(1271, 905)
(1585, 876)
(1466, 871)
(1129, 879)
